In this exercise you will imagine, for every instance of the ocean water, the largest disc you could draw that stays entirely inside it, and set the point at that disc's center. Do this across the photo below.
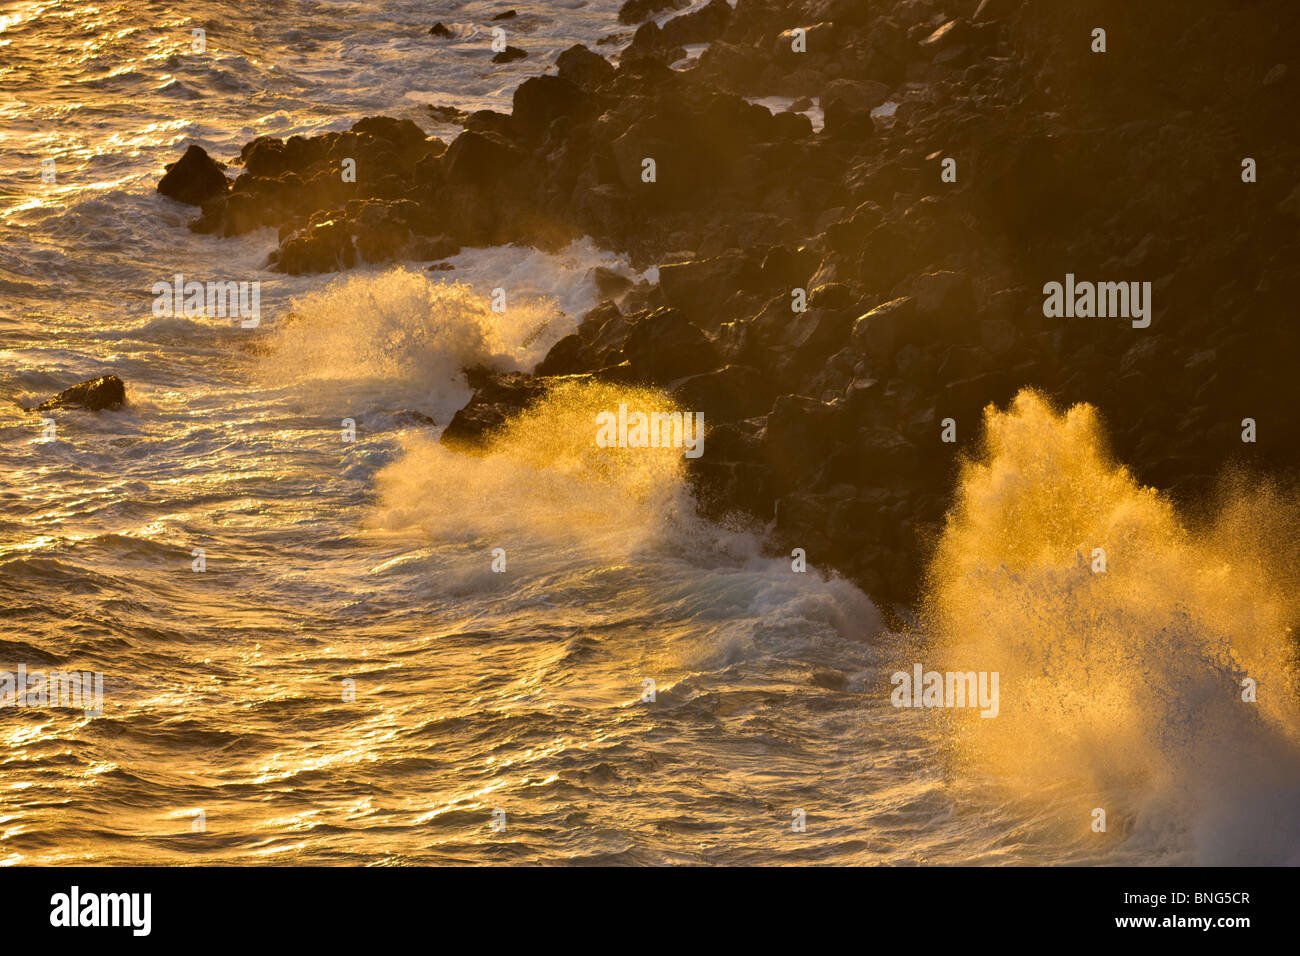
(349, 680)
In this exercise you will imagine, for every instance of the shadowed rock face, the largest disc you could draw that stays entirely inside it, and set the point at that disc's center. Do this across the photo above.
(828, 299)
(106, 393)
(194, 178)
(497, 397)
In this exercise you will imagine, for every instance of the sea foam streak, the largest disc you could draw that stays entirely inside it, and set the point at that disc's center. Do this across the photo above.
(544, 478)
(566, 510)
(1126, 683)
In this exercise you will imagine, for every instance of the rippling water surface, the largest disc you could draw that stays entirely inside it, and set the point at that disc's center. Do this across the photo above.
(366, 566)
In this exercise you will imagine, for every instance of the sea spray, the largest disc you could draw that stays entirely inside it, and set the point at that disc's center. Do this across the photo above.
(544, 478)
(1124, 683)
(401, 332)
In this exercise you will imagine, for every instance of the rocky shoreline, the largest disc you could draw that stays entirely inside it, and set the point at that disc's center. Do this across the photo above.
(924, 292)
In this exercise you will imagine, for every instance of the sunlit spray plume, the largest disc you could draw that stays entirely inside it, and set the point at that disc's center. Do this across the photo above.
(1123, 638)
(402, 331)
(545, 481)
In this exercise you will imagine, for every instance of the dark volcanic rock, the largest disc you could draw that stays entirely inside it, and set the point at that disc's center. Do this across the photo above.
(105, 393)
(664, 346)
(440, 31)
(542, 100)
(497, 398)
(194, 178)
(847, 105)
(922, 291)
(481, 158)
(699, 26)
(634, 11)
(509, 55)
(726, 394)
(584, 68)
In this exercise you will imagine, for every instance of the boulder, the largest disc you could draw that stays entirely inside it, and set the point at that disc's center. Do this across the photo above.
(584, 68)
(509, 55)
(324, 245)
(194, 178)
(481, 158)
(402, 133)
(541, 100)
(106, 393)
(847, 106)
(726, 394)
(664, 346)
(497, 398)
(699, 287)
(635, 11)
(699, 26)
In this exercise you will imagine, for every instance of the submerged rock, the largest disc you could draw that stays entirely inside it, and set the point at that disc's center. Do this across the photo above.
(509, 55)
(106, 393)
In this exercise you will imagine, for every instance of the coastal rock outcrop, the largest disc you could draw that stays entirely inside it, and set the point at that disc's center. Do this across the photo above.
(854, 271)
(105, 393)
(194, 178)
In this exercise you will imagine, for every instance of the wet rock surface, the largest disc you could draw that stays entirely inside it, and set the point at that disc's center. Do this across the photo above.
(828, 299)
(194, 178)
(105, 393)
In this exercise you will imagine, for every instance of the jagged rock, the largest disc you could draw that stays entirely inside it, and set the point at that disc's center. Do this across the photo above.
(726, 394)
(941, 277)
(481, 158)
(699, 26)
(323, 246)
(194, 178)
(440, 31)
(610, 284)
(797, 440)
(945, 309)
(497, 398)
(701, 286)
(541, 100)
(847, 105)
(950, 34)
(106, 393)
(584, 68)
(664, 346)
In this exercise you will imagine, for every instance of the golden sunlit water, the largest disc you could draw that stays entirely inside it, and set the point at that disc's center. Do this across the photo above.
(308, 656)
